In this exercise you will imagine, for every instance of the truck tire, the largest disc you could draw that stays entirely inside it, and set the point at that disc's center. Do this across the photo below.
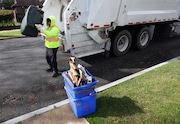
(121, 43)
(143, 38)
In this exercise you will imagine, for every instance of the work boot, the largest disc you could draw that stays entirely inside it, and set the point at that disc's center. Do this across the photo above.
(49, 70)
(56, 74)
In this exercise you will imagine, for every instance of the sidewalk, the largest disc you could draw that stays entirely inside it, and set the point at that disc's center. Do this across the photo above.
(61, 115)
(58, 113)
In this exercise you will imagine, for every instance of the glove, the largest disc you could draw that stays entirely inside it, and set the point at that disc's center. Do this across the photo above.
(39, 27)
(42, 36)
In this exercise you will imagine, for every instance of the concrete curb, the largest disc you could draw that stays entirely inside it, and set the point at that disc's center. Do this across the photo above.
(36, 112)
(12, 37)
(99, 89)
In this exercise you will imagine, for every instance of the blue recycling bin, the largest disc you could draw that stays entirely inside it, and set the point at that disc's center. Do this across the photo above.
(82, 99)
(82, 106)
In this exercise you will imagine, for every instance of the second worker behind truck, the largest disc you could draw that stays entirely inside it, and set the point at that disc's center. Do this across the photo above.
(52, 44)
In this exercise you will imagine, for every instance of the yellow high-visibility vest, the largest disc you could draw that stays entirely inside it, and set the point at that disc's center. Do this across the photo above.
(52, 34)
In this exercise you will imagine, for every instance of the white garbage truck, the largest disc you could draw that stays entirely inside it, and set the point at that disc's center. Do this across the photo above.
(94, 26)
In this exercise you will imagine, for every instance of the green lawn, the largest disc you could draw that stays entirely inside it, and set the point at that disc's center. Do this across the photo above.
(10, 33)
(152, 98)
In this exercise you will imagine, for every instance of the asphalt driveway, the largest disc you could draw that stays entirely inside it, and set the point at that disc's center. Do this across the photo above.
(25, 85)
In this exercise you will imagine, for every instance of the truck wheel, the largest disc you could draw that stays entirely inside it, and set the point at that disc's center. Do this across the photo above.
(122, 43)
(143, 38)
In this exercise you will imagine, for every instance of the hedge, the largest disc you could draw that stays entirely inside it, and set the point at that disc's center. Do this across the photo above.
(6, 15)
(5, 12)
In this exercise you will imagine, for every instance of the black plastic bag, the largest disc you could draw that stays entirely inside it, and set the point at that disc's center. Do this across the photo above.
(33, 16)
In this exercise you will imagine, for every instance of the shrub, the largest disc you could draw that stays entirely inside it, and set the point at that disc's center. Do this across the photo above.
(7, 23)
(6, 12)
(6, 18)
(6, 15)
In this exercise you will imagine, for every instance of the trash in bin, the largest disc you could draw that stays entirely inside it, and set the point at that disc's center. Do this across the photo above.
(78, 74)
(85, 86)
(80, 91)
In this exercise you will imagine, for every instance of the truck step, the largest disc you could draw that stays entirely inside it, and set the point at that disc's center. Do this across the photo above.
(88, 53)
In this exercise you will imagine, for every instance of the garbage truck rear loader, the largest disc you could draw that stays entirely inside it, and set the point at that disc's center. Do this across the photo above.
(94, 26)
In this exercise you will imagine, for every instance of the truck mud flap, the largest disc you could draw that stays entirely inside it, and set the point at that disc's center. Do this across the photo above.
(33, 16)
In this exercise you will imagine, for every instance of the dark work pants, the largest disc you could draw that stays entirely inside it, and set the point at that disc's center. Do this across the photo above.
(51, 56)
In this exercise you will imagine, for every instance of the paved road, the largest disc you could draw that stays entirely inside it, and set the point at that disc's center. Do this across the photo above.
(25, 85)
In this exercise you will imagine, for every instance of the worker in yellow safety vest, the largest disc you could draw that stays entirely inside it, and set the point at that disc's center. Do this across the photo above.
(52, 44)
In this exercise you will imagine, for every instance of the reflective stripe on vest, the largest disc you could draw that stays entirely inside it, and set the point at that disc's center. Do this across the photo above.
(52, 39)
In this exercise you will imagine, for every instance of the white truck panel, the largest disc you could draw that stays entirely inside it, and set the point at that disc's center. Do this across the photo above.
(53, 7)
(148, 11)
(102, 12)
(73, 9)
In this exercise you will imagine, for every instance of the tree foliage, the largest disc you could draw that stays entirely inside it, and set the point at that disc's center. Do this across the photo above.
(7, 4)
